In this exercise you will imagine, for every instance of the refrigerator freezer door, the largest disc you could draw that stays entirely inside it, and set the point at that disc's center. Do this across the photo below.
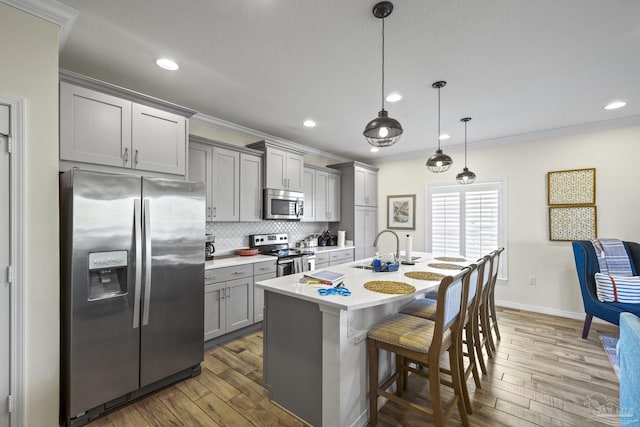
(173, 319)
(100, 346)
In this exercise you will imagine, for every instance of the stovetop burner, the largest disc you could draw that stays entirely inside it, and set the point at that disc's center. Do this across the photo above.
(276, 245)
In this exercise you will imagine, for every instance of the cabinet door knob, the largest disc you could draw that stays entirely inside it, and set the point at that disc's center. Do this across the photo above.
(125, 156)
(135, 158)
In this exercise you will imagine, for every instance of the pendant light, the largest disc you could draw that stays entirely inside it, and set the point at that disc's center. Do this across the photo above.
(383, 131)
(466, 176)
(439, 162)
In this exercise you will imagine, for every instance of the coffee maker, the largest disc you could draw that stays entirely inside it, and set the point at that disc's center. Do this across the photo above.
(209, 249)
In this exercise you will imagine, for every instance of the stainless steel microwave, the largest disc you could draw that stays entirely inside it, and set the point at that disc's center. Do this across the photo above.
(283, 204)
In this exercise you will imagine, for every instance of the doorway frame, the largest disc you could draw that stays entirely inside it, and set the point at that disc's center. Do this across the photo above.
(17, 141)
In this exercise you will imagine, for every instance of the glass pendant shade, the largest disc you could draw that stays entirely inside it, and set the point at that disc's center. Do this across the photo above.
(439, 162)
(383, 131)
(466, 176)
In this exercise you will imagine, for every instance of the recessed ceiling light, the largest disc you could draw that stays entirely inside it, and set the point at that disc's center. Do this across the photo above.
(309, 123)
(444, 136)
(393, 97)
(167, 64)
(615, 105)
(374, 149)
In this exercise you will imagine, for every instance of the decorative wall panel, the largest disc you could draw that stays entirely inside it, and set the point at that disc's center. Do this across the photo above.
(569, 223)
(571, 187)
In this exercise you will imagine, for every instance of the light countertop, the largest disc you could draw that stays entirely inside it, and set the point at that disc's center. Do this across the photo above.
(233, 260)
(355, 279)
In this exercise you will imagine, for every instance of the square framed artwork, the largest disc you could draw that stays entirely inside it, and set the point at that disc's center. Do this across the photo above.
(571, 187)
(401, 212)
(567, 223)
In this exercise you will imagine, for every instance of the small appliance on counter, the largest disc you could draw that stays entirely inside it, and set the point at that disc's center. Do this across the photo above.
(209, 249)
(327, 239)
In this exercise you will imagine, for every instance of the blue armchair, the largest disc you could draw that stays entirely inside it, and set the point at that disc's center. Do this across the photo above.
(587, 266)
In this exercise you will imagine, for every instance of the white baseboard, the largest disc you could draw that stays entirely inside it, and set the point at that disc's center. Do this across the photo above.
(546, 310)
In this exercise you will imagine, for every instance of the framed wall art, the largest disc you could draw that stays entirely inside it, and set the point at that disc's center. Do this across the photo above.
(571, 187)
(401, 212)
(567, 223)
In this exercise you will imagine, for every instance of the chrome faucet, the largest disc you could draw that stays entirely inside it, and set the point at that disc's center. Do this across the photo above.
(375, 242)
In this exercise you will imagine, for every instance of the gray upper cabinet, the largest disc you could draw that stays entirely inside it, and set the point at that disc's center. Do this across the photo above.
(103, 128)
(158, 140)
(283, 167)
(94, 127)
(359, 183)
(366, 186)
(250, 187)
(321, 194)
(233, 179)
(219, 169)
(225, 184)
(308, 188)
(200, 169)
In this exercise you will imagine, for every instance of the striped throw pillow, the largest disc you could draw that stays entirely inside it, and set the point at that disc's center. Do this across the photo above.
(618, 288)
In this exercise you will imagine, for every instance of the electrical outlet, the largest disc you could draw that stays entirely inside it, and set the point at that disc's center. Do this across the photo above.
(532, 280)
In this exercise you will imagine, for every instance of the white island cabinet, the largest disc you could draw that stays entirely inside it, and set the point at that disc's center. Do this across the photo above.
(315, 358)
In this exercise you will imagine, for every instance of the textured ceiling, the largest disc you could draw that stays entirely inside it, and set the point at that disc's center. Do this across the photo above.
(516, 67)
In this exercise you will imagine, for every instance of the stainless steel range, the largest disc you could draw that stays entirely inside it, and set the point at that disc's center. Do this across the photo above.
(290, 260)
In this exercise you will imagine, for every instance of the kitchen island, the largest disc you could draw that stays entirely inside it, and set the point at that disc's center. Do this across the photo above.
(315, 358)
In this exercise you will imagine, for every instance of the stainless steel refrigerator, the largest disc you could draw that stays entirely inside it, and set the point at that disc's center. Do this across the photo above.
(132, 288)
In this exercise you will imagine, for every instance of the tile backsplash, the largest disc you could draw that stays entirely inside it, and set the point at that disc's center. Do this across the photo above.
(234, 235)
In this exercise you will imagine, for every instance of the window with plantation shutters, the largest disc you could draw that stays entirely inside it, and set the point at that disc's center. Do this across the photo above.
(466, 220)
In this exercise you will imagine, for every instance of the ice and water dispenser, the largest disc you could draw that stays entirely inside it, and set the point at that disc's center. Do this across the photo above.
(107, 274)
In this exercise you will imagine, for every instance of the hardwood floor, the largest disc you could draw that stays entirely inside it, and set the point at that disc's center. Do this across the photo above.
(544, 374)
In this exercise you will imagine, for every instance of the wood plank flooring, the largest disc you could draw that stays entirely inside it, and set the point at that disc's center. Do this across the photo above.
(544, 374)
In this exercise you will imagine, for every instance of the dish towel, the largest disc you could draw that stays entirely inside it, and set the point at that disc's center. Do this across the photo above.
(297, 265)
(613, 258)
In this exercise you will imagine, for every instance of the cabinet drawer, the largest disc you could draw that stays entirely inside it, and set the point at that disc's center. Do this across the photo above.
(322, 257)
(265, 267)
(343, 256)
(215, 275)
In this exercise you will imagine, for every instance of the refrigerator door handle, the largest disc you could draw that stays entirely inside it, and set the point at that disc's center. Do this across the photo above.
(137, 229)
(147, 262)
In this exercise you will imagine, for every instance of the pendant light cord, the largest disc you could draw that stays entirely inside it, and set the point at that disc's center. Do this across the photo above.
(465, 144)
(382, 93)
(438, 118)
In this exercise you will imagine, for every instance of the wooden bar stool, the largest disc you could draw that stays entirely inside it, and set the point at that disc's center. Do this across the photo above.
(484, 339)
(492, 297)
(478, 338)
(425, 308)
(422, 341)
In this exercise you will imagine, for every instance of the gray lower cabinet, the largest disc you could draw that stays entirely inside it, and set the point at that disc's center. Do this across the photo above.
(322, 260)
(340, 257)
(262, 271)
(228, 301)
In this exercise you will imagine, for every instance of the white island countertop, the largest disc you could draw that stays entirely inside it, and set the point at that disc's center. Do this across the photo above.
(354, 280)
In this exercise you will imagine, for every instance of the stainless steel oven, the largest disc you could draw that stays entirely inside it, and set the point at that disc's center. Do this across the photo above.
(290, 261)
(295, 263)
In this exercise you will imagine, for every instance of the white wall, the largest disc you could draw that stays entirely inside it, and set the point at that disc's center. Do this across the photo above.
(614, 153)
(29, 70)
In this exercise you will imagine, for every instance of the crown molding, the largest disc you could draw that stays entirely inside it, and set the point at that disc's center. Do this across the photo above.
(524, 137)
(51, 11)
(215, 122)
